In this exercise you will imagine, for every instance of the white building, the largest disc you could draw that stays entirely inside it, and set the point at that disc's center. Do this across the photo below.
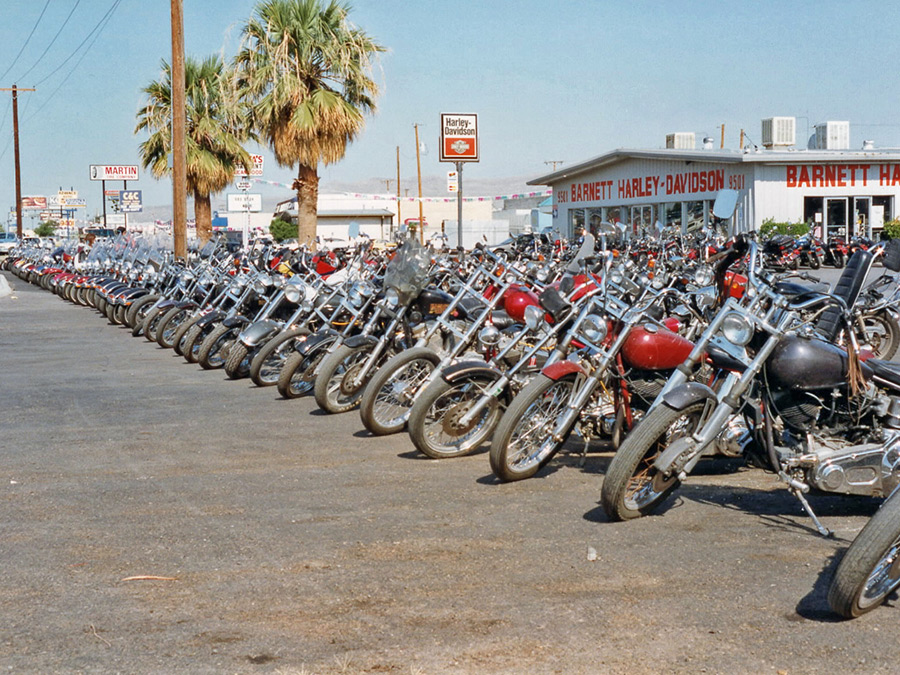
(841, 192)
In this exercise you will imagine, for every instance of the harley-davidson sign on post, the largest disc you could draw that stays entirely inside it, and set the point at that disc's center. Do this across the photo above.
(459, 138)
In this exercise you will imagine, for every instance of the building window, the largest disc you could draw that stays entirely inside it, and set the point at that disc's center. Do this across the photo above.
(695, 218)
(576, 219)
(673, 215)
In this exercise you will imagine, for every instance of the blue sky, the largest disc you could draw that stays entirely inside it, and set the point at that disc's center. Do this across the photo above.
(564, 80)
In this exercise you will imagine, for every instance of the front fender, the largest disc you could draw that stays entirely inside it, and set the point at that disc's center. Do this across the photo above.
(361, 341)
(558, 370)
(255, 333)
(215, 315)
(235, 321)
(688, 394)
(466, 369)
(324, 336)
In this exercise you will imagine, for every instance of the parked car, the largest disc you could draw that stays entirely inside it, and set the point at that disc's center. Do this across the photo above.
(7, 241)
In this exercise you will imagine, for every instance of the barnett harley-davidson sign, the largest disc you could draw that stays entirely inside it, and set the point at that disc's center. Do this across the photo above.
(459, 138)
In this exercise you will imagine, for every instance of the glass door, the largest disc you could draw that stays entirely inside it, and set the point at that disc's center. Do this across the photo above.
(836, 217)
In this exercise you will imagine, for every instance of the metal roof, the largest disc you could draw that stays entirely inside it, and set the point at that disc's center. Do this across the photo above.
(793, 156)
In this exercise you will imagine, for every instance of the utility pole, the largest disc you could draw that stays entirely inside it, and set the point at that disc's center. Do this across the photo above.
(419, 171)
(15, 106)
(554, 162)
(399, 221)
(179, 122)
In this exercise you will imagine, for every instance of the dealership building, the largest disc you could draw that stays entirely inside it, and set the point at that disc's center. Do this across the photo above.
(837, 191)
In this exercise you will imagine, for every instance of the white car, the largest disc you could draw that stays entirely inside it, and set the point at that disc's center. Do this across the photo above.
(7, 241)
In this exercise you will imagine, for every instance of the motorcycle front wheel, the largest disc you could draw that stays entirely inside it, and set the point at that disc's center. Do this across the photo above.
(214, 349)
(522, 443)
(335, 389)
(633, 487)
(268, 361)
(870, 569)
(390, 394)
(434, 425)
(237, 365)
(298, 374)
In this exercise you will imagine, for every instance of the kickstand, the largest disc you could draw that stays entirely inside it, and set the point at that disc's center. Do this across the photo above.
(824, 531)
(587, 440)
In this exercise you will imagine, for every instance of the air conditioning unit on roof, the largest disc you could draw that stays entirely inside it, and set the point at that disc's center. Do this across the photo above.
(779, 132)
(681, 140)
(833, 136)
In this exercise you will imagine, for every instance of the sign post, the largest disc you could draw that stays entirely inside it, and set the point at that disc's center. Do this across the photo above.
(459, 144)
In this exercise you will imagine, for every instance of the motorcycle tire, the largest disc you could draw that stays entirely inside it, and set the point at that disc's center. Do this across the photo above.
(297, 377)
(193, 340)
(169, 332)
(433, 421)
(334, 389)
(151, 324)
(270, 359)
(522, 445)
(632, 486)
(139, 309)
(213, 351)
(119, 314)
(237, 365)
(882, 334)
(392, 390)
(839, 260)
(814, 261)
(869, 571)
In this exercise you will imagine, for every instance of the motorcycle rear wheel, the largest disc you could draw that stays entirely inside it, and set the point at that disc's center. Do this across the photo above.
(882, 334)
(390, 394)
(522, 444)
(433, 425)
(633, 487)
(870, 569)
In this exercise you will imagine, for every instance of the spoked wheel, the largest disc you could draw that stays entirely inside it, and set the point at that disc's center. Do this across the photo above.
(338, 388)
(193, 339)
(882, 334)
(298, 375)
(169, 323)
(139, 308)
(633, 487)
(215, 347)
(522, 443)
(870, 569)
(390, 394)
(270, 359)
(435, 421)
(150, 324)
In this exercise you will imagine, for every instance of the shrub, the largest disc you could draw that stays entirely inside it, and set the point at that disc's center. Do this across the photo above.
(770, 228)
(282, 229)
(892, 228)
(46, 229)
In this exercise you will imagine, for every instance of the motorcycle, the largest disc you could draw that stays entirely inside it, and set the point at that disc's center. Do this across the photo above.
(793, 402)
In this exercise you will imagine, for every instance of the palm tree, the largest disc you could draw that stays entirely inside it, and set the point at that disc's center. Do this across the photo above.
(214, 132)
(305, 72)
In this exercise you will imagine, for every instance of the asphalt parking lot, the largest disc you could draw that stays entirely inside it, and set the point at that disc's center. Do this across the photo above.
(157, 517)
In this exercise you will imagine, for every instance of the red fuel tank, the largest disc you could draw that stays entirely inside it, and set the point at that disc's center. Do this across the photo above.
(649, 347)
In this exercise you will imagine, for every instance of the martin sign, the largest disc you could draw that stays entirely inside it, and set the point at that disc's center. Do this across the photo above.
(119, 172)
(459, 138)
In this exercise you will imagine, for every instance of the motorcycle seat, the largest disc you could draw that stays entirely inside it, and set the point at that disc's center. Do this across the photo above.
(501, 319)
(886, 371)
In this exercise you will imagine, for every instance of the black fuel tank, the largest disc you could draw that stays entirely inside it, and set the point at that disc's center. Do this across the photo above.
(808, 364)
(432, 302)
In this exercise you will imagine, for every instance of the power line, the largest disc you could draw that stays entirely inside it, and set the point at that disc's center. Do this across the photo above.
(34, 28)
(98, 29)
(58, 33)
(104, 18)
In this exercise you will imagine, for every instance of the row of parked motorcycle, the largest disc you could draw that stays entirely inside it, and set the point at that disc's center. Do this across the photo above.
(699, 351)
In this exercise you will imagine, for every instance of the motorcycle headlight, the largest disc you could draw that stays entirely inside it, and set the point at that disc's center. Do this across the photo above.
(736, 329)
(704, 276)
(594, 328)
(392, 297)
(261, 284)
(534, 316)
(489, 336)
(355, 296)
(543, 274)
(293, 292)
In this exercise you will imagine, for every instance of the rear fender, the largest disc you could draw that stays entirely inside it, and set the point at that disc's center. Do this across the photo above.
(558, 370)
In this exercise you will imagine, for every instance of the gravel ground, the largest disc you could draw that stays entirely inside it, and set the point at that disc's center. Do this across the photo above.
(283, 540)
